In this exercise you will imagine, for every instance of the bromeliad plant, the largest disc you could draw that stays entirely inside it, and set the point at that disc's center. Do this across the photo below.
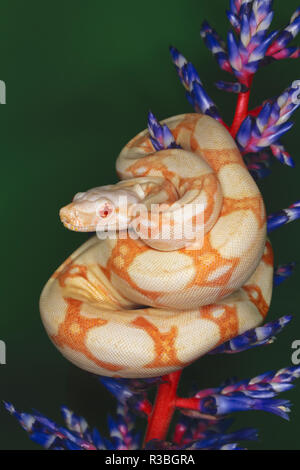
(204, 419)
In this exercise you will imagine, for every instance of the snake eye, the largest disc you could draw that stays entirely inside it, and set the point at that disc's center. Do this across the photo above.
(105, 211)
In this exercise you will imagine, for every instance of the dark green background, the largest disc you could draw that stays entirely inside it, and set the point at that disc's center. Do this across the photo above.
(81, 76)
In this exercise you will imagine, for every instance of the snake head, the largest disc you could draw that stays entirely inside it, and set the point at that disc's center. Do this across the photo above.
(99, 209)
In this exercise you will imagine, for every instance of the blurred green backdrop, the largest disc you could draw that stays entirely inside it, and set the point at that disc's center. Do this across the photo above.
(81, 76)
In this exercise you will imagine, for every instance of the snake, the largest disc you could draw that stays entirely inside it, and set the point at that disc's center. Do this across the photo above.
(159, 285)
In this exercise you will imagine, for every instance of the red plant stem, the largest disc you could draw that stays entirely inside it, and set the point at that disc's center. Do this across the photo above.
(193, 404)
(164, 407)
(241, 111)
(189, 403)
(255, 112)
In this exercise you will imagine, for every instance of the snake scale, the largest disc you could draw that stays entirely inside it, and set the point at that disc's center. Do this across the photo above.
(144, 305)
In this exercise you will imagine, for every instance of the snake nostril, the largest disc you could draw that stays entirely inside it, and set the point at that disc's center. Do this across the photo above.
(63, 213)
(67, 214)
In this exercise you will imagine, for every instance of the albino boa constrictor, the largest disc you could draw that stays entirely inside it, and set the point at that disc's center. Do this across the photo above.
(144, 307)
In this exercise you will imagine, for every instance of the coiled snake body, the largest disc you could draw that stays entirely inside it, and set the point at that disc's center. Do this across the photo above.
(143, 306)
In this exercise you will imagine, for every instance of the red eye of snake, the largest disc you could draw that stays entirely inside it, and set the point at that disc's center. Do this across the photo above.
(105, 211)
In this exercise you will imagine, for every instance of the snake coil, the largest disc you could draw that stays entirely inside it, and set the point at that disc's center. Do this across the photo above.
(138, 307)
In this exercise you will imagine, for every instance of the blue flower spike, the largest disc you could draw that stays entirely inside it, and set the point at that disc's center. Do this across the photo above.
(195, 92)
(250, 45)
(77, 435)
(283, 217)
(160, 135)
(265, 130)
(49, 435)
(278, 49)
(246, 51)
(260, 336)
(216, 45)
(254, 394)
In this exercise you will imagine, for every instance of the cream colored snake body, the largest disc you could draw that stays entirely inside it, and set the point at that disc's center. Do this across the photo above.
(147, 305)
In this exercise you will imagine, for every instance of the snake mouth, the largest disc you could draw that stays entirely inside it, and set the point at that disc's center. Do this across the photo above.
(78, 228)
(69, 218)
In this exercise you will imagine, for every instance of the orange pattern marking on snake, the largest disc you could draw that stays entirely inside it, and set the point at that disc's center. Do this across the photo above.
(247, 203)
(123, 255)
(155, 301)
(256, 296)
(71, 271)
(268, 256)
(211, 259)
(225, 317)
(185, 130)
(73, 330)
(153, 166)
(220, 158)
(61, 268)
(164, 344)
